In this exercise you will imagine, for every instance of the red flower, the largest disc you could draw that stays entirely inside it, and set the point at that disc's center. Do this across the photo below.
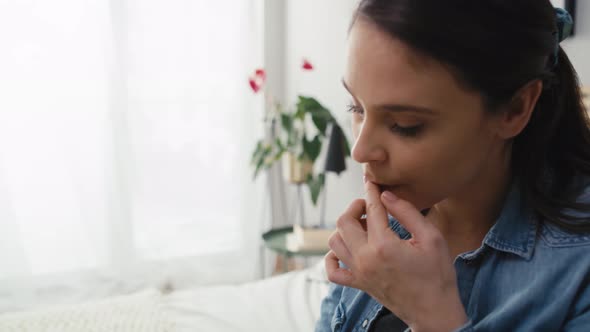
(257, 81)
(260, 73)
(307, 65)
(255, 87)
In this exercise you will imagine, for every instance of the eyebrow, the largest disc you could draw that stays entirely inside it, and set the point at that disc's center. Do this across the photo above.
(396, 107)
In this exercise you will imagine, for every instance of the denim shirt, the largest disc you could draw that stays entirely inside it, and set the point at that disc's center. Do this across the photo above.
(527, 275)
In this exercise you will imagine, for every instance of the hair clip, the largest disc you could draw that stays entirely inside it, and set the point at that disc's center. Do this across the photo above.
(565, 25)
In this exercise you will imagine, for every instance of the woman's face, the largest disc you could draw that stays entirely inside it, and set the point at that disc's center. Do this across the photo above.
(417, 132)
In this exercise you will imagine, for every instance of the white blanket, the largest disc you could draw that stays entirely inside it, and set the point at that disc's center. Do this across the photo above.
(286, 303)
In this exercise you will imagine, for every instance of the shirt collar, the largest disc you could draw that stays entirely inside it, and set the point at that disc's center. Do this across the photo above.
(515, 230)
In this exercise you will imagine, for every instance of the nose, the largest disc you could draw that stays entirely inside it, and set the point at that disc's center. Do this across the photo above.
(368, 147)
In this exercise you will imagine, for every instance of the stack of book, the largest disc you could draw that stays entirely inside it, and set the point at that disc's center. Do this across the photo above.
(309, 238)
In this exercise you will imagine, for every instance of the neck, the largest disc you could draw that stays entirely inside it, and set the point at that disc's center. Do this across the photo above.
(465, 218)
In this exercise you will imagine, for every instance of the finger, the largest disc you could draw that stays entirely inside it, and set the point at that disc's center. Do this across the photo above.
(377, 222)
(363, 222)
(335, 273)
(350, 226)
(356, 209)
(339, 248)
(406, 214)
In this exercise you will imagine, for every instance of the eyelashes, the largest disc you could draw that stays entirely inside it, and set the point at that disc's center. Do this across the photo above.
(412, 131)
(351, 108)
(409, 131)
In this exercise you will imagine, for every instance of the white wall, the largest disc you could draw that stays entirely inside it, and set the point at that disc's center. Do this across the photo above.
(317, 30)
(578, 47)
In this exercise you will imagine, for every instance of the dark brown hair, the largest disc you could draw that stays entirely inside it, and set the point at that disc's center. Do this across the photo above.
(495, 47)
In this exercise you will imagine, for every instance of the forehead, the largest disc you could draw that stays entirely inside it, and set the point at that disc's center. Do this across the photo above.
(383, 69)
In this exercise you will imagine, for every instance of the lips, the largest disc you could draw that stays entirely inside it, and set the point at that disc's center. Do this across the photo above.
(391, 188)
(382, 186)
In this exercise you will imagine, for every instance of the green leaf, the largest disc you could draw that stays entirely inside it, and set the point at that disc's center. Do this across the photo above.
(279, 144)
(259, 164)
(280, 149)
(256, 153)
(321, 123)
(315, 186)
(304, 106)
(320, 115)
(286, 122)
(260, 159)
(300, 113)
(312, 148)
(308, 103)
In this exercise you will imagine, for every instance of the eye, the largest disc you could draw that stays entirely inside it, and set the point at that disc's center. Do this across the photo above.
(354, 109)
(407, 131)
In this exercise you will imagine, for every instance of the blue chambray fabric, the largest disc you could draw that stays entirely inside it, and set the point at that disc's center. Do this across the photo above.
(527, 275)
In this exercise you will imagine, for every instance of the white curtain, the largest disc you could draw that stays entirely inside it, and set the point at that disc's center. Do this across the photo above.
(125, 134)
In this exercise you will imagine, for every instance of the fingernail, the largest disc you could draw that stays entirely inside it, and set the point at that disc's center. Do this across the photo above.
(389, 196)
(364, 179)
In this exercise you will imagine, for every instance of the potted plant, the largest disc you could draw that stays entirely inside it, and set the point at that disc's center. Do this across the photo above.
(299, 140)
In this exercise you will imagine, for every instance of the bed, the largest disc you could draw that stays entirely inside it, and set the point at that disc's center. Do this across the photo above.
(288, 303)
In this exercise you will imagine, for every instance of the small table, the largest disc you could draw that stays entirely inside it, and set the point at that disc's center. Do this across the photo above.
(276, 240)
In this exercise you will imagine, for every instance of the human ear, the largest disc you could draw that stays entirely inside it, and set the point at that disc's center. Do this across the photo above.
(518, 111)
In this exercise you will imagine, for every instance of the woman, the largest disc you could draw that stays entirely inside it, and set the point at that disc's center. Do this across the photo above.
(475, 145)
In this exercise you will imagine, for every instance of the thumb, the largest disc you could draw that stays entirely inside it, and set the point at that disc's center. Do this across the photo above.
(406, 214)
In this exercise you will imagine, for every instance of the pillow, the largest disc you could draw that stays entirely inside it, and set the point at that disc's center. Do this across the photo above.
(288, 302)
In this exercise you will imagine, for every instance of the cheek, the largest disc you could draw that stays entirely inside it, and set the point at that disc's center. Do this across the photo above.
(470, 149)
(420, 163)
(356, 128)
(441, 167)
(447, 165)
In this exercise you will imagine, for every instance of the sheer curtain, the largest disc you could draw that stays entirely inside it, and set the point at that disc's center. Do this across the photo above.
(125, 134)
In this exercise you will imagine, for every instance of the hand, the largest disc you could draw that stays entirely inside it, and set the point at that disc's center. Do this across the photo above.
(415, 279)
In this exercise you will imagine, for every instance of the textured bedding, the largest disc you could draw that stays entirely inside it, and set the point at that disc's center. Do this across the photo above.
(138, 312)
(289, 302)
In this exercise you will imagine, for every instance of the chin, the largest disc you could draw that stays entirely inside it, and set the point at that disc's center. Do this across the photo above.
(400, 191)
